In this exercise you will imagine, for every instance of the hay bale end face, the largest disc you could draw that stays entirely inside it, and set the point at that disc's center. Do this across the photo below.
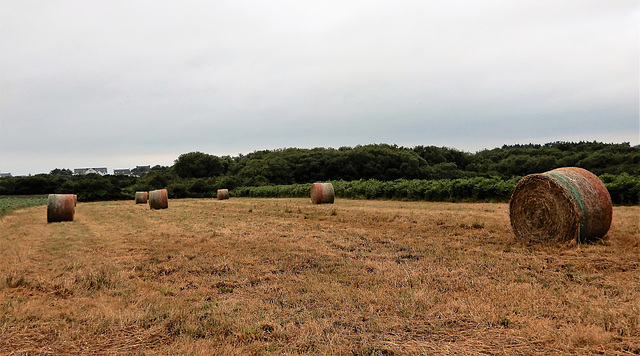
(223, 194)
(322, 193)
(142, 197)
(61, 207)
(561, 205)
(158, 199)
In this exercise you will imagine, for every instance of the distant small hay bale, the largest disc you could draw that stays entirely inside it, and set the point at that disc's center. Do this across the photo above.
(561, 205)
(223, 194)
(322, 193)
(61, 207)
(142, 197)
(158, 199)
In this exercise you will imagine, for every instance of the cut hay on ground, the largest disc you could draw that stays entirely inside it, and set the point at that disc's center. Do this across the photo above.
(561, 205)
(158, 199)
(322, 193)
(141, 197)
(61, 207)
(282, 276)
(223, 194)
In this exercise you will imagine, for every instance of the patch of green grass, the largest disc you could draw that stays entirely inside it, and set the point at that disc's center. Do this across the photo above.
(9, 203)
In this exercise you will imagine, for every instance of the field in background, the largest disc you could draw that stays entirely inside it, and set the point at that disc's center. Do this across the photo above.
(260, 276)
(9, 203)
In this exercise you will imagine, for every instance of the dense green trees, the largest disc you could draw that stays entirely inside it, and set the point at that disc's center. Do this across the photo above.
(61, 172)
(599, 158)
(389, 162)
(91, 187)
(200, 165)
(369, 171)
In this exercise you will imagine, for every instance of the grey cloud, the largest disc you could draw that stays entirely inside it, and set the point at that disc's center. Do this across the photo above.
(145, 79)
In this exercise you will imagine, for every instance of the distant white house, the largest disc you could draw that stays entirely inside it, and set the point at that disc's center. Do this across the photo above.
(5, 175)
(84, 171)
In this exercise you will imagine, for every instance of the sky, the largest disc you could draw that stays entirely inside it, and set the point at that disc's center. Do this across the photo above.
(119, 84)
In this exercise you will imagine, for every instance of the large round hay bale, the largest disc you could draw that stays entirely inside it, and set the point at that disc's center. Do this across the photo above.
(223, 194)
(141, 197)
(322, 193)
(560, 205)
(158, 199)
(61, 207)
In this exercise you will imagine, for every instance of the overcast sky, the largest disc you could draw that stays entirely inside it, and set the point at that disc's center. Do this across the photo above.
(123, 83)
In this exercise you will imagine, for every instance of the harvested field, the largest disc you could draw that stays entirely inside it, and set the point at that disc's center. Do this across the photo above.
(285, 276)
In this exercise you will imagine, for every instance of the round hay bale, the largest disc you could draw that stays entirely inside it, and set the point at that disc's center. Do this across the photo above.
(141, 197)
(560, 205)
(158, 199)
(61, 207)
(322, 193)
(223, 194)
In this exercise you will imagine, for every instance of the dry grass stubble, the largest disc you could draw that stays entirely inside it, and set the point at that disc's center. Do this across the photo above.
(258, 276)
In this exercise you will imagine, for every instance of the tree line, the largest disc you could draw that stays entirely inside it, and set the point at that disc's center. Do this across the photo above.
(376, 171)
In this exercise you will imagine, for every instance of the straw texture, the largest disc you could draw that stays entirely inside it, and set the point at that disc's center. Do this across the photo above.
(223, 194)
(61, 207)
(158, 199)
(322, 193)
(142, 197)
(561, 205)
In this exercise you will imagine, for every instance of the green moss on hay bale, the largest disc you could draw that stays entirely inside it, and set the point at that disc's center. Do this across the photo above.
(141, 197)
(564, 204)
(322, 193)
(61, 207)
(158, 199)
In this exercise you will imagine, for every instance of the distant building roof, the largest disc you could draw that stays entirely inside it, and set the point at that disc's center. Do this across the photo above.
(119, 172)
(5, 175)
(82, 171)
